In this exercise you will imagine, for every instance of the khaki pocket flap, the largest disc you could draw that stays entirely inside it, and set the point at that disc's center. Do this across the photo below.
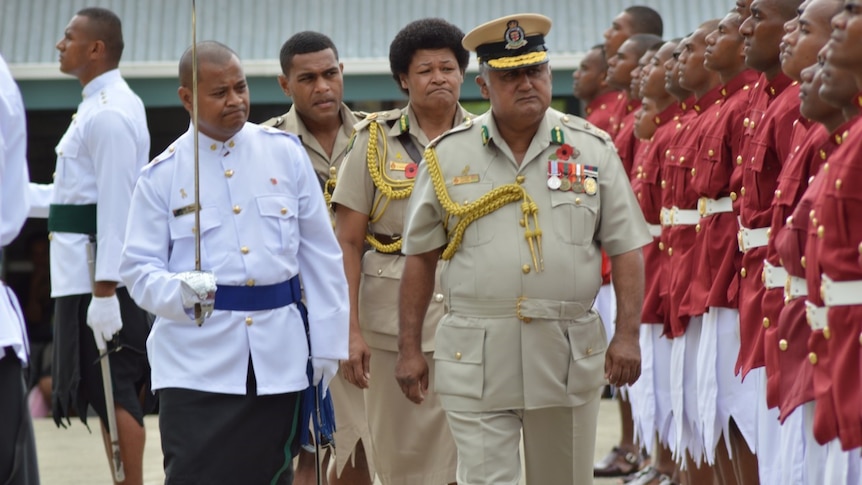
(459, 344)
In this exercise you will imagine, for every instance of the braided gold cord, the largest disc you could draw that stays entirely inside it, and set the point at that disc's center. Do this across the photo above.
(389, 189)
(484, 205)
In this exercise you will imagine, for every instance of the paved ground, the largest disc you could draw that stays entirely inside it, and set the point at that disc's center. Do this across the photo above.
(75, 457)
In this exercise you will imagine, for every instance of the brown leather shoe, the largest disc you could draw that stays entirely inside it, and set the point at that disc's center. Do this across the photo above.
(618, 463)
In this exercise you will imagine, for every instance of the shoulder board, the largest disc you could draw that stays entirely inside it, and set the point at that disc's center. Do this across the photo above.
(579, 124)
(161, 157)
(380, 117)
(274, 131)
(361, 115)
(276, 122)
(466, 125)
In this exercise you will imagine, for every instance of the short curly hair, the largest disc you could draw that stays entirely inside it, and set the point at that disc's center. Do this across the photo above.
(429, 33)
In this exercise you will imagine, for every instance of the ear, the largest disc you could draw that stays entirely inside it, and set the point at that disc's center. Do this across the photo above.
(185, 95)
(282, 81)
(341, 67)
(98, 49)
(483, 87)
(402, 80)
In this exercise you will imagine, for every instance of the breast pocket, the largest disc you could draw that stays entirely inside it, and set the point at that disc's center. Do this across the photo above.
(588, 343)
(763, 179)
(574, 217)
(847, 199)
(479, 231)
(459, 361)
(182, 232)
(69, 168)
(279, 217)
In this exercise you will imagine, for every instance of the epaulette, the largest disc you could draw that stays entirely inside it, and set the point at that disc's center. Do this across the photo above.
(274, 131)
(580, 124)
(361, 115)
(274, 122)
(379, 116)
(161, 157)
(464, 126)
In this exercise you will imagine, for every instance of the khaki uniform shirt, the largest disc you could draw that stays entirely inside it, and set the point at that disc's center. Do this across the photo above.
(515, 338)
(291, 123)
(381, 273)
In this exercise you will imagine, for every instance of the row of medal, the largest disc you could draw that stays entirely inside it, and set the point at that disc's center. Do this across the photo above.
(575, 177)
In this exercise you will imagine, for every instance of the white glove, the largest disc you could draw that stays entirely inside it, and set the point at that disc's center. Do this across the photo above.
(103, 316)
(197, 288)
(324, 370)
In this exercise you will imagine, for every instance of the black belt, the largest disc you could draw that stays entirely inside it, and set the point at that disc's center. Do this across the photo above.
(386, 240)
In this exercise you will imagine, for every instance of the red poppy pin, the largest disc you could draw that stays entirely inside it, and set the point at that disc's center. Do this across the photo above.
(564, 152)
(410, 170)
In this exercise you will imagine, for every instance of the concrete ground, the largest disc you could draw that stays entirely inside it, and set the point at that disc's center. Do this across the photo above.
(73, 456)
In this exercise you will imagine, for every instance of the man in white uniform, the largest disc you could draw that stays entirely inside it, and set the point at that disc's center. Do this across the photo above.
(229, 387)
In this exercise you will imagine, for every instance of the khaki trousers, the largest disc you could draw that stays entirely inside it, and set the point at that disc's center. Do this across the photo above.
(559, 445)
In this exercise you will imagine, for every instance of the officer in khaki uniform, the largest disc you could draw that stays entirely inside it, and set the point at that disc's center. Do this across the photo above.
(312, 77)
(412, 444)
(520, 201)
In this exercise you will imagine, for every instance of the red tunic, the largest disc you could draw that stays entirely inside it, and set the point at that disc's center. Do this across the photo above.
(645, 182)
(619, 111)
(677, 173)
(718, 175)
(625, 140)
(602, 111)
(839, 247)
(803, 162)
(796, 373)
(763, 156)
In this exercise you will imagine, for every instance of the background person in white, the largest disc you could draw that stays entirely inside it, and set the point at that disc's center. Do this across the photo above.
(228, 388)
(17, 466)
(98, 159)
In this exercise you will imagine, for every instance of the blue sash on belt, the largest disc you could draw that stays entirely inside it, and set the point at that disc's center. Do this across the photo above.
(262, 297)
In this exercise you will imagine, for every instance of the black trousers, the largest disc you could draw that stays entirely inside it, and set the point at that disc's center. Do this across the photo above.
(18, 464)
(226, 439)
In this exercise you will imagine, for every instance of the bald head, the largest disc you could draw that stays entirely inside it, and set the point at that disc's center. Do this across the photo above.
(208, 51)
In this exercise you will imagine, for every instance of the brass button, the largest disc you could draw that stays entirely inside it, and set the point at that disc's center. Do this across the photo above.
(693, 171)
(663, 183)
(249, 282)
(577, 201)
(661, 246)
(788, 221)
(248, 321)
(733, 196)
(50, 235)
(457, 355)
(379, 272)
(739, 160)
(742, 191)
(778, 194)
(743, 272)
(803, 261)
(826, 167)
(231, 144)
(438, 297)
(589, 351)
(827, 333)
(520, 179)
(745, 122)
(860, 248)
(213, 146)
(670, 251)
(526, 319)
(812, 357)
(811, 214)
(765, 323)
(283, 210)
(525, 268)
(228, 173)
(820, 231)
(782, 344)
(711, 152)
(838, 184)
(697, 228)
(237, 209)
(244, 250)
(751, 124)
(681, 159)
(522, 222)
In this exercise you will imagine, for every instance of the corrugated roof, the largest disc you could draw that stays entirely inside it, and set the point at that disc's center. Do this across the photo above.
(157, 31)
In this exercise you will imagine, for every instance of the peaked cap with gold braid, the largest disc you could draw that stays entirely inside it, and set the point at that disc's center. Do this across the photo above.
(510, 42)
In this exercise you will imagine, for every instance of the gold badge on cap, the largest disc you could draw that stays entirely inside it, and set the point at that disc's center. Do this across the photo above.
(515, 36)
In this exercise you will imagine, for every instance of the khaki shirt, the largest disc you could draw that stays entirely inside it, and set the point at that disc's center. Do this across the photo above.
(381, 273)
(515, 338)
(291, 123)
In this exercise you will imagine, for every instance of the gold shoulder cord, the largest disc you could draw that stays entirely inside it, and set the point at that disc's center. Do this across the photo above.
(387, 187)
(328, 190)
(490, 202)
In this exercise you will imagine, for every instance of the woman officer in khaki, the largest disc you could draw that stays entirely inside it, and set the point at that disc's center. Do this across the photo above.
(428, 63)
